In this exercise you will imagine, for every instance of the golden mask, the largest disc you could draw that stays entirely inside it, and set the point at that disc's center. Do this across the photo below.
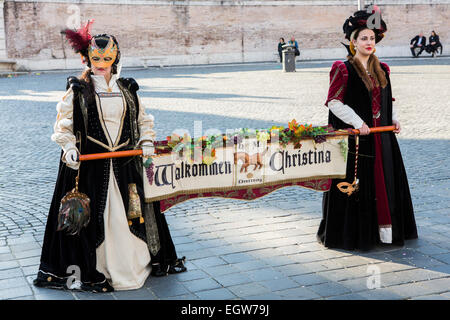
(102, 57)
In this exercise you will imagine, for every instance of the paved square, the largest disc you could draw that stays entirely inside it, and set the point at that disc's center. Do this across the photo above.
(263, 249)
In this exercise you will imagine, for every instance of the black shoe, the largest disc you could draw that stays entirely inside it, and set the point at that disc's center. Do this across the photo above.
(159, 271)
(178, 266)
(99, 287)
(47, 280)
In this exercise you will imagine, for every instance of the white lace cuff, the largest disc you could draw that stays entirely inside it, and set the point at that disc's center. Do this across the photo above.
(345, 113)
(63, 128)
(145, 123)
(394, 114)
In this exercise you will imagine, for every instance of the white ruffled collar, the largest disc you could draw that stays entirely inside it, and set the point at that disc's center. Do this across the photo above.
(100, 82)
(101, 85)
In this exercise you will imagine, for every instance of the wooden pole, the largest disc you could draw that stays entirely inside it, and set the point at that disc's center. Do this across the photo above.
(346, 132)
(377, 129)
(107, 155)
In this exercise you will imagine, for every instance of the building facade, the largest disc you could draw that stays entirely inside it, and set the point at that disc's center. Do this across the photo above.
(205, 31)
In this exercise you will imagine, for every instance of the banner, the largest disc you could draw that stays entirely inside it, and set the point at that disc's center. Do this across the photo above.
(246, 170)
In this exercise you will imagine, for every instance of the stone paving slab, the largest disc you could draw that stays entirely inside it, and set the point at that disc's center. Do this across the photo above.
(431, 297)
(248, 289)
(267, 296)
(265, 274)
(298, 294)
(15, 292)
(265, 249)
(216, 294)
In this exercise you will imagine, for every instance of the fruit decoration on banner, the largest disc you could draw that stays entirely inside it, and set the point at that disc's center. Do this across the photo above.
(205, 146)
(344, 148)
(149, 166)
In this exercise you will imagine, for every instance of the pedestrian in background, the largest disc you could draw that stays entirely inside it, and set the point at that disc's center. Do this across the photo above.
(294, 43)
(280, 49)
(434, 44)
(418, 41)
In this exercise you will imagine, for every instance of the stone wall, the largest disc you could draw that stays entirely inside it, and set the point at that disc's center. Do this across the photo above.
(199, 32)
(3, 53)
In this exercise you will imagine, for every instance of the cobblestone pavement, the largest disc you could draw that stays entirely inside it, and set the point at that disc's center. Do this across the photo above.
(263, 249)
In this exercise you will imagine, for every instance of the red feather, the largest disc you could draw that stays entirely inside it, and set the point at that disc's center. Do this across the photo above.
(81, 38)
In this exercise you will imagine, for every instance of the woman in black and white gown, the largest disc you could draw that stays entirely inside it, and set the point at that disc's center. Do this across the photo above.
(126, 239)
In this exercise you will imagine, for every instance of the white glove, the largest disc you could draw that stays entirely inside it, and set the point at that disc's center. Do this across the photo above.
(148, 150)
(71, 158)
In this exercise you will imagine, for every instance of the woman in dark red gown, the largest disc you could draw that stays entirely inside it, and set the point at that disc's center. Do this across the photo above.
(360, 96)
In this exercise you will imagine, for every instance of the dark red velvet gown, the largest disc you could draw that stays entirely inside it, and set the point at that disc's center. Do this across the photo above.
(383, 201)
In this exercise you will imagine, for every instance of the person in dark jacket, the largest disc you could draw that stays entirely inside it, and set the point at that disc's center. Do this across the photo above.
(280, 48)
(434, 44)
(294, 43)
(418, 41)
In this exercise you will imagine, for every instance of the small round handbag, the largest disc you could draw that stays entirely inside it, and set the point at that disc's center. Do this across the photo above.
(74, 210)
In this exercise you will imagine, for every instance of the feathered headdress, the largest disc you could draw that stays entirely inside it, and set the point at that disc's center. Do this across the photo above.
(80, 39)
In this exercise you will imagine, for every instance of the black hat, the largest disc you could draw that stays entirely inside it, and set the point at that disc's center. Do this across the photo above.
(359, 21)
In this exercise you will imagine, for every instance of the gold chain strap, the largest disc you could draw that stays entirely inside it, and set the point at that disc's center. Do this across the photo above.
(346, 187)
(78, 138)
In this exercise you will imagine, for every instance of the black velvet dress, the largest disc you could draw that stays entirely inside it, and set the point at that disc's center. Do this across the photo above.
(60, 250)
